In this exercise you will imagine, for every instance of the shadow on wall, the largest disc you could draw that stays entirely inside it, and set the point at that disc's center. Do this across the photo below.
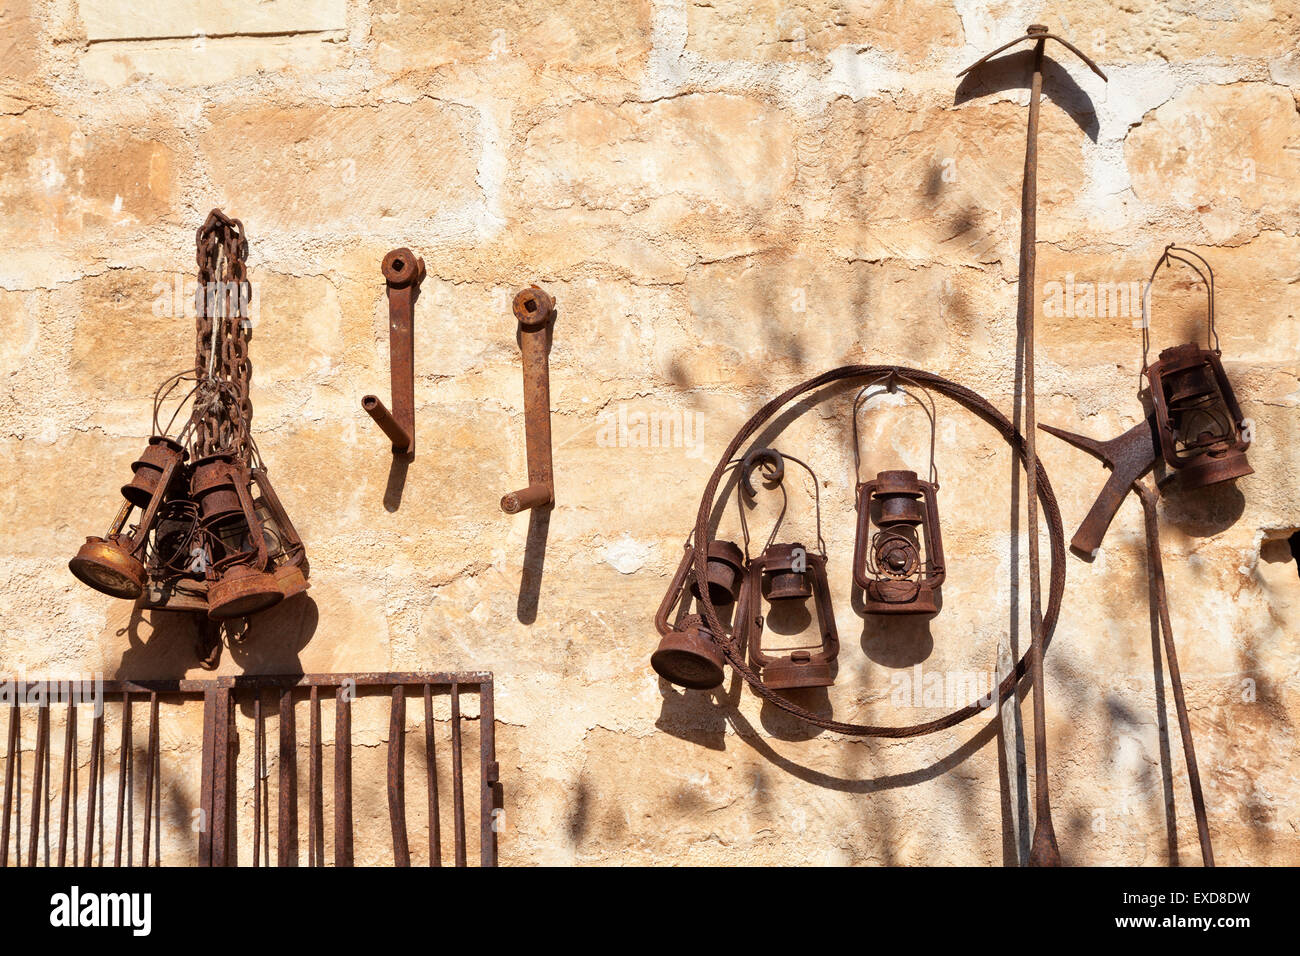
(267, 643)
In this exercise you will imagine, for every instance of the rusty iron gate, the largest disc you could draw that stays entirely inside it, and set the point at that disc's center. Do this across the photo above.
(216, 818)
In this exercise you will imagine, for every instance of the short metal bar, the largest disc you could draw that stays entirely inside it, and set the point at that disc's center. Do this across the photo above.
(123, 767)
(287, 850)
(69, 761)
(95, 791)
(11, 761)
(259, 751)
(157, 807)
(151, 759)
(205, 777)
(431, 772)
(377, 410)
(343, 777)
(397, 777)
(42, 744)
(457, 778)
(316, 810)
(491, 776)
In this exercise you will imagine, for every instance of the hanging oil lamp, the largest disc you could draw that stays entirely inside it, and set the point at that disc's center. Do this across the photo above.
(898, 553)
(213, 537)
(114, 564)
(786, 575)
(1203, 435)
(689, 654)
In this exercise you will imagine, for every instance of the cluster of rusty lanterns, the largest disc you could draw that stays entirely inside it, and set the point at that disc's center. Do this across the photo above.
(211, 536)
(1202, 434)
(898, 566)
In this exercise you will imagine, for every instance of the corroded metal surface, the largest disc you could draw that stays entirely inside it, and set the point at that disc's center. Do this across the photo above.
(534, 309)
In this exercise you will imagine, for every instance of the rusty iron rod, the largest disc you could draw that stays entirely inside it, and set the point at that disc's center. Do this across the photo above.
(287, 833)
(1156, 569)
(222, 778)
(533, 309)
(403, 272)
(490, 776)
(206, 775)
(343, 777)
(457, 778)
(149, 776)
(397, 776)
(316, 811)
(259, 749)
(42, 745)
(11, 761)
(123, 774)
(94, 792)
(431, 772)
(69, 762)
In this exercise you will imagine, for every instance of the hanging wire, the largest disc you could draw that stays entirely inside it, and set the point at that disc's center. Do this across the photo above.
(1207, 278)
(772, 462)
(891, 382)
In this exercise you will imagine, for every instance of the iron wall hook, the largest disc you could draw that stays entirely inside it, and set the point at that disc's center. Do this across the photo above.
(403, 272)
(534, 309)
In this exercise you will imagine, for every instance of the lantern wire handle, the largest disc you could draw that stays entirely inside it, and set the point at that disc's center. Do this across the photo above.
(892, 384)
(773, 464)
(1207, 278)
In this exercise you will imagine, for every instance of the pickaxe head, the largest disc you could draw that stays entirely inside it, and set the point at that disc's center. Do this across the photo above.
(1129, 457)
(1038, 33)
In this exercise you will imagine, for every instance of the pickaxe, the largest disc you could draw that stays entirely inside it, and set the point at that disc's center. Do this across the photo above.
(1044, 851)
(1130, 456)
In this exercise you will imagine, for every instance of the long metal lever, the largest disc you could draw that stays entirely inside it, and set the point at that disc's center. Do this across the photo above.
(403, 273)
(534, 310)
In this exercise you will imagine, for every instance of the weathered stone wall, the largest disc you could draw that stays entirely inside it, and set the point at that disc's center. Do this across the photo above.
(724, 198)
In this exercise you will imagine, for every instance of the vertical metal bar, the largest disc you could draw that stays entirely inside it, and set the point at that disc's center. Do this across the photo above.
(431, 771)
(397, 776)
(151, 758)
(1157, 572)
(42, 743)
(123, 760)
(11, 760)
(49, 790)
(316, 810)
(288, 796)
(457, 778)
(96, 776)
(205, 778)
(343, 777)
(69, 759)
(222, 776)
(259, 749)
(490, 776)
(157, 803)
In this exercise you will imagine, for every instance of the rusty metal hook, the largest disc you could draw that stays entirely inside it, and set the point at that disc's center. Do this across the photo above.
(403, 272)
(1039, 32)
(534, 309)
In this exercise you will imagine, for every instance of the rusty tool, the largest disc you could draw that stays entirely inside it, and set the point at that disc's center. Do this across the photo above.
(1129, 457)
(1134, 453)
(1044, 851)
(535, 309)
(403, 272)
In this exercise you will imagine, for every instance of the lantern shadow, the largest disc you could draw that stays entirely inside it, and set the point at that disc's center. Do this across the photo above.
(1011, 72)
(1203, 512)
(896, 640)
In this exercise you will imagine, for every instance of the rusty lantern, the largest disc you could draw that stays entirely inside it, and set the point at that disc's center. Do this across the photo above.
(786, 575)
(898, 553)
(114, 564)
(688, 654)
(238, 583)
(1203, 435)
